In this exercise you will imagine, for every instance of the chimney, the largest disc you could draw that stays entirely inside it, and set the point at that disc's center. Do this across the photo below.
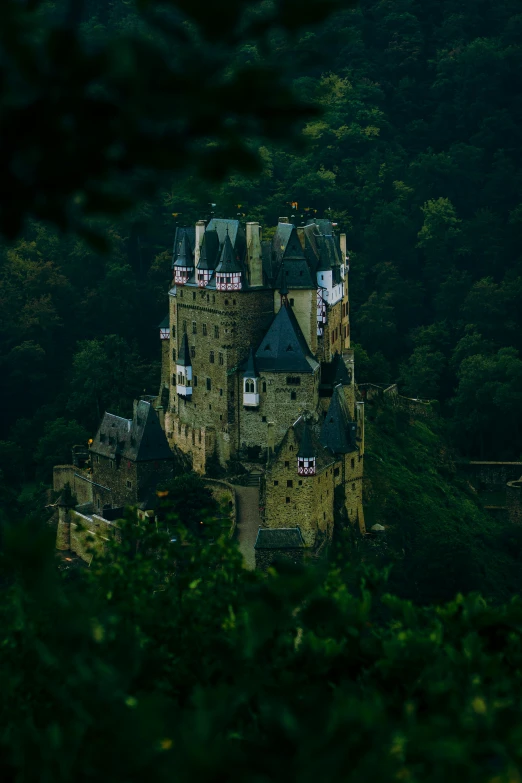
(200, 230)
(254, 262)
(301, 235)
(282, 220)
(342, 241)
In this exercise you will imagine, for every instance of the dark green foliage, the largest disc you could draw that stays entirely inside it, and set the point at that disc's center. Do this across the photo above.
(439, 538)
(210, 672)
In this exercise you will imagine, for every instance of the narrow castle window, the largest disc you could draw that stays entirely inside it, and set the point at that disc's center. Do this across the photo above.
(287, 464)
(221, 392)
(263, 418)
(352, 462)
(129, 484)
(291, 448)
(204, 327)
(289, 483)
(193, 295)
(209, 384)
(293, 396)
(353, 486)
(195, 380)
(173, 331)
(192, 351)
(226, 301)
(181, 293)
(264, 386)
(216, 331)
(194, 327)
(211, 357)
(292, 302)
(336, 472)
(276, 483)
(287, 500)
(221, 358)
(184, 327)
(173, 354)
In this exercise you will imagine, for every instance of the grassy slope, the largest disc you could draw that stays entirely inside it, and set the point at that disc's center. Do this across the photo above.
(438, 536)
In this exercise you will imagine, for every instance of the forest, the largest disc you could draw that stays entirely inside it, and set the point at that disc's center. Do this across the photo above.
(401, 121)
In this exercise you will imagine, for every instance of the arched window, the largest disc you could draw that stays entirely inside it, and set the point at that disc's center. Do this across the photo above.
(249, 386)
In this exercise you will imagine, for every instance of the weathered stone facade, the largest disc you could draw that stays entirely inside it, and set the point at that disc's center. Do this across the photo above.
(285, 305)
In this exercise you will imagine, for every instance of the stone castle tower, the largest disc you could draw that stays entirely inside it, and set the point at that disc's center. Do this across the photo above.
(257, 366)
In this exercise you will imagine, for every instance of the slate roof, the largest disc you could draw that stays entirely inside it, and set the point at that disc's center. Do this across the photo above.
(335, 372)
(165, 324)
(139, 439)
(323, 456)
(183, 253)
(306, 448)
(279, 538)
(184, 354)
(294, 267)
(229, 261)
(223, 226)
(209, 253)
(339, 431)
(284, 347)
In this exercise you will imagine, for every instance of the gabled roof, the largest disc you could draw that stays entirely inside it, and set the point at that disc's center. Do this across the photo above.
(339, 431)
(279, 538)
(184, 353)
(229, 261)
(138, 439)
(250, 367)
(280, 240)
(224, 227)
(183, 253)
(284, 347)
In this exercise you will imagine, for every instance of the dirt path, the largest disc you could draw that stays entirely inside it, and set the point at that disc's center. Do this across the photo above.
(248, 522)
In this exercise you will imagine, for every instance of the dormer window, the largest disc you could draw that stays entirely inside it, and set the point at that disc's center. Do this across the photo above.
(306, 466)
(228, 282)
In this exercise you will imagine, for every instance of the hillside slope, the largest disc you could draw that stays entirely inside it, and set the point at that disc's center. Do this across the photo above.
(438, 537)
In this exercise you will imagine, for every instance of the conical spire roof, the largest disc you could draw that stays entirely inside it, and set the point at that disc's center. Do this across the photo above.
(184, 353)
(228, 263)
(184, 253)
(209, 250)
(250, 369)
(341, 374)
(338, 431)
(306, 449)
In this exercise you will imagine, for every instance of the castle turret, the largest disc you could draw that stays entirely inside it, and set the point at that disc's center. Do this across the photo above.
(229, 271)
(250, 383)
(184, 370)
(306, 456)
(183, 265)
(207, 258)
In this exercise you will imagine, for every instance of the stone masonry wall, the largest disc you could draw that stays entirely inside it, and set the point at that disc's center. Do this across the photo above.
(88, 535)
(292, 500)
(277, 408)
(78, 480)
(490, 475)
(221, 327)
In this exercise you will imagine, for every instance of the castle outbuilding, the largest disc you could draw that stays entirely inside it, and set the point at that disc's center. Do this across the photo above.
(259, 368)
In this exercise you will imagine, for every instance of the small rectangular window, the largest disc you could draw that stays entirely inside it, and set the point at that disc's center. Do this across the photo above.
(216, 331)
(221, 358)
(194, 327)
(173, 331)
(211, 357)
(204, 330)
(287, 464)
(336, 472)
(264, 386)
(221, 392)
(184, 327)
(195, 380)
(293, 396)
(192, 352)
(209, 384)
(276, 483)
(287, 500)
(352, 462)
(173, 354)
(263, 418)
(129, 484)
(289, 483)
(292, 301)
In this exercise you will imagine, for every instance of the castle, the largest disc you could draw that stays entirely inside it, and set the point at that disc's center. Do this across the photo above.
(257, 371)
(257, 367)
